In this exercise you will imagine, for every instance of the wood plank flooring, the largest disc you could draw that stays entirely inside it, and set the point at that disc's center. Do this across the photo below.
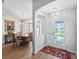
(10, 52)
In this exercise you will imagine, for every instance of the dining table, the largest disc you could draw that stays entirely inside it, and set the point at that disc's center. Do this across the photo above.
(23, 40)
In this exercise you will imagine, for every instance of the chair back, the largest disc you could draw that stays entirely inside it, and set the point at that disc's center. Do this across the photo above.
(30, 35)
(14, 37)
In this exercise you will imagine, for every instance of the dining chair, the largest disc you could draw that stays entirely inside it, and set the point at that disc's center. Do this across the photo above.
(15, 42)
(30, 36)
(29, 39)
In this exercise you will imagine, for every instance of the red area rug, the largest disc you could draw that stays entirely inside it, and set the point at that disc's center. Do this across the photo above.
(63, 54)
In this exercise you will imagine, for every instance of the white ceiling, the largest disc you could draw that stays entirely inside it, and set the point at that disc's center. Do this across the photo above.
(22, 8)
(39, 3)
(57, 5)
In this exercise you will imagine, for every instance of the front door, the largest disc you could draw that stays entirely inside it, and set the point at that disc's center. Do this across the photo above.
(59, 34)
(56, 34)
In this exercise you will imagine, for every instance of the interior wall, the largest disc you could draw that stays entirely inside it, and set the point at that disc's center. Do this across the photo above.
(36, 44)
(70, 20)
(7, 15)
(39, 36)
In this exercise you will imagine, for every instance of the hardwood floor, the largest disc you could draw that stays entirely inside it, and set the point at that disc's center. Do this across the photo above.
(10, 52)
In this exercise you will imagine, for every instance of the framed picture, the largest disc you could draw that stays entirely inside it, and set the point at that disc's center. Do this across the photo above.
(9, 25)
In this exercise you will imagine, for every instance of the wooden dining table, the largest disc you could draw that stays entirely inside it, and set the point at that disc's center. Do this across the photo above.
(23, 40)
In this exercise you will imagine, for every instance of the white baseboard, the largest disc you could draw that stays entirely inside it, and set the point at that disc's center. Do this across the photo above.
(72, 51)
(64, 49)
(50, 45)
(39, 49)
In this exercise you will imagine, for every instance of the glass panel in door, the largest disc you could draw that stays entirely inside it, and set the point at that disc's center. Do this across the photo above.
(59, 33)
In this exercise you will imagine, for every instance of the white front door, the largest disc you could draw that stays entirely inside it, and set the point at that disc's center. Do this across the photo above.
(56, 34)
(59, 34)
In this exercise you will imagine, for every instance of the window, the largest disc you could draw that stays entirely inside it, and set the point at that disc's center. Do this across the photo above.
(28, 28)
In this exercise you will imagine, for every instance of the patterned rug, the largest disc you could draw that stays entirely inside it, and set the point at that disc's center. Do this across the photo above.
(63, 54)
